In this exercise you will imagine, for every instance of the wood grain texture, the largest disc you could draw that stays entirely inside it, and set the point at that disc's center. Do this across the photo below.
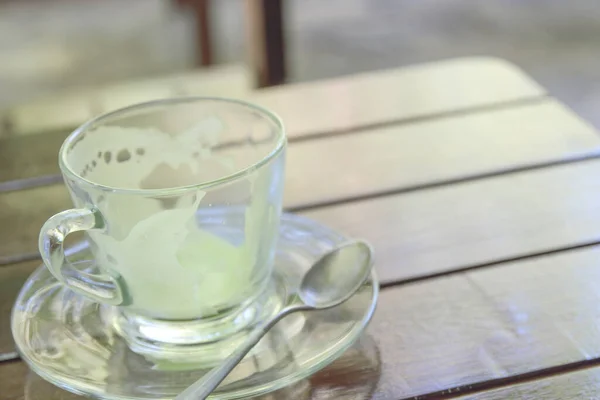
(451, 331)
(23, 214)
(30, 156)
(371, 162)
(472, 223)
(416, 233)
(12, 380)
(578, 385)
(393, 95)
(387, 158)
(11, 279)
(497, 322)
(399, 157)
(312, 108)
(65, 111)
(39, 128)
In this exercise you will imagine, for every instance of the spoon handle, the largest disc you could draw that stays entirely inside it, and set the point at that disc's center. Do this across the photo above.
(204, 386)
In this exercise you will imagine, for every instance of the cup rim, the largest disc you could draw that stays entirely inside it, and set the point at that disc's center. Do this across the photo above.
(73, 136)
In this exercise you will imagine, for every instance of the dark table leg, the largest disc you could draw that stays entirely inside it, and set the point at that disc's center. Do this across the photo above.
(266, 40)
(200, 9)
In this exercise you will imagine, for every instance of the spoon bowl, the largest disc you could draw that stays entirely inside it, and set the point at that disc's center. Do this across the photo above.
(336, 276)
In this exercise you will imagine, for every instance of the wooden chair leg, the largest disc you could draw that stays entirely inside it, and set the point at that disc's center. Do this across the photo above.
(266, 40)
(204, 53)
(203, 40)
(201, 11)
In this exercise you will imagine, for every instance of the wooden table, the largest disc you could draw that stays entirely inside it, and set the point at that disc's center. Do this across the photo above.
(480, 194)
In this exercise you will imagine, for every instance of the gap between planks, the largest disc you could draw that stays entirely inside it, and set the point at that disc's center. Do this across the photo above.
(459, 112)
(7, 260)
(46, 180)
(401, 282)
(492, 384)
(445, 182)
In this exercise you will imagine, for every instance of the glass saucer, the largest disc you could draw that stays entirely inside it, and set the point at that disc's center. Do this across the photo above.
(354, 375)
(71, 341)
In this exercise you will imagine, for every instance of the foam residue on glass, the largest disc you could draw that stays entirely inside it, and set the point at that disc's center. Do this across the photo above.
(170, 264)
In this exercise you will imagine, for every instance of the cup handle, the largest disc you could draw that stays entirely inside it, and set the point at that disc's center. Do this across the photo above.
(102, 288)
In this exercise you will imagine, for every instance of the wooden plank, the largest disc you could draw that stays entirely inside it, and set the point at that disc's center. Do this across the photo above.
(62, 111)
(433, 230)
(495, 323)
(30, 156)
(399, 157)
(371, 98)
(577, 385)
(354, 375)
(498, 322)
(373, 161)
(12, 380)
(220, 80)
(11, 279)
(489, 145)
(312, 108)
(477, 222)
(65, 111)
(24, 213)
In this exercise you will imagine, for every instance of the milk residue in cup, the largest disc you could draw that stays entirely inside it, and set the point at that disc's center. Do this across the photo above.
(171, 268)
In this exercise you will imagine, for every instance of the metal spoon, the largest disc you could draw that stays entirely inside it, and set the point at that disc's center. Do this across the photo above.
(332, 279)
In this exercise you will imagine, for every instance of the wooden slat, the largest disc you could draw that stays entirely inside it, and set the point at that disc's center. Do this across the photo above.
(577, 385)
(30, 156)
(373, 161)
(377, 97)
(487, 324)
(11, 279)
(12, 380)
(23, 214)
(461, 225)
(435, 230)
(220, 80)
(312, 108)
(397, 157)
(564, 329)
(60, 111)
(462, 329)
(67, 110)
(493, 323)
(39, 128)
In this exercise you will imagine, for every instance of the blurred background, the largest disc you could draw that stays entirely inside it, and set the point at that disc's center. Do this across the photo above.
(52, 47)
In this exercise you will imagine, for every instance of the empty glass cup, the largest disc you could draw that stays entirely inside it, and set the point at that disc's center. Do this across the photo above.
(180, 201)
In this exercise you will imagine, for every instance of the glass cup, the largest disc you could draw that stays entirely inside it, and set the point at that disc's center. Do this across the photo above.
(180, 202)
